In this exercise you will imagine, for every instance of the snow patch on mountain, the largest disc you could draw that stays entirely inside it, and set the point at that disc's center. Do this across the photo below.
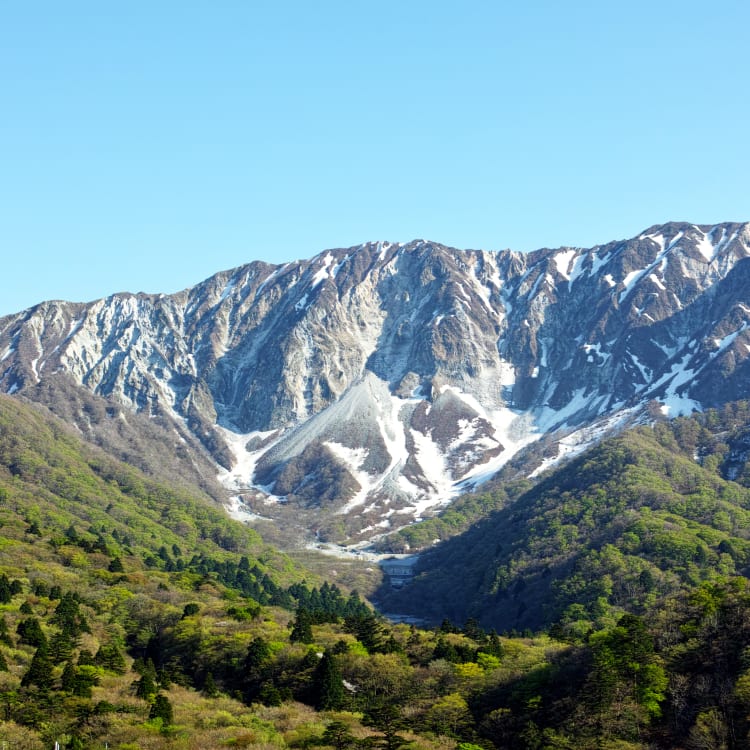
(562, 262)
(576, 442)
(401, 375)
(240, 475)
(673, 403)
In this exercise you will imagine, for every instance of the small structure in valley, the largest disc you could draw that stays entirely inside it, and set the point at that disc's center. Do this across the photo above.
(400, 570)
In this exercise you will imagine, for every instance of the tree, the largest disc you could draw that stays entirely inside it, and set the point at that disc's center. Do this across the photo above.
(494, 647)
(256, 668)
(387, 719)
(111, 658)
(68, 679)
(368, 630)
(445, 650)
(30, 632)
(626, 674)
(39, 672)
(258, 655)
(146, 687)
(209, 686)
(449, 715)
(302, 627)
(61, 647)
(5, 594)
(338, 735)
(4, 632)
(68, 616)
(328, 684)
(162, 709)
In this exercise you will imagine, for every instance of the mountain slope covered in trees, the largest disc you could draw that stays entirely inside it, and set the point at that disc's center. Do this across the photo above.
(619, 528)
(138, 616)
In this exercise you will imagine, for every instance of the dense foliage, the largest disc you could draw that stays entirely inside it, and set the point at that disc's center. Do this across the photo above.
(141, 617)
(618, 529)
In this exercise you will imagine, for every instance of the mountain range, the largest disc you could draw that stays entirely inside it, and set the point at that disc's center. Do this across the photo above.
(341, 398)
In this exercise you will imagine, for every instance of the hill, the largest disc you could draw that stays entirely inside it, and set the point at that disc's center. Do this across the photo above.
(136, 616)
(619, 528)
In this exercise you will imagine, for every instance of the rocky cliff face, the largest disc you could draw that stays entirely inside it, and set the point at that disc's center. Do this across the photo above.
(354, 392)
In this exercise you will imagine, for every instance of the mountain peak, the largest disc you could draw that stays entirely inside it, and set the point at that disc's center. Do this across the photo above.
(367, 386)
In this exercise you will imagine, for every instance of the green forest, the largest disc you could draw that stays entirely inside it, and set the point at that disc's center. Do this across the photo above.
(604, 606)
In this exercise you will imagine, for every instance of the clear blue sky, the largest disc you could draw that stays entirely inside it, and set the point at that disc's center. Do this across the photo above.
(146, 145)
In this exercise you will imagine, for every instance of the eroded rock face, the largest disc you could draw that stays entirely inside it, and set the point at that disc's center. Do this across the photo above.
(358, 390)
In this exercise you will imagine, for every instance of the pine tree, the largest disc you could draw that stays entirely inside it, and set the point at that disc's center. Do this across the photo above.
(162, 709)
(146, 687)
(68, 680)
(494, 646)
(302, 627)
(30, 632)
(445, 650)
(258, 655)
(5, 594)
(328, 684)
(387, 719)
(256, 669)
(368, 631)
(4, 632)
(338, 735)
(39, 672)
(110, 657)
(209, 686)
(61, 647)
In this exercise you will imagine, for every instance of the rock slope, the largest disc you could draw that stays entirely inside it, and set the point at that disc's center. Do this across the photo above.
(354, 392)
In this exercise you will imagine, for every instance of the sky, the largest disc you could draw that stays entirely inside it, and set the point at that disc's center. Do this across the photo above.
(147, 145)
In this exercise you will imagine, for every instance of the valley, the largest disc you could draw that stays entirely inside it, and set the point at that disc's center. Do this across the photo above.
(536, 464)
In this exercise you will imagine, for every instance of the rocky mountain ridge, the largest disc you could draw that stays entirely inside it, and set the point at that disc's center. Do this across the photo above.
(356, 391)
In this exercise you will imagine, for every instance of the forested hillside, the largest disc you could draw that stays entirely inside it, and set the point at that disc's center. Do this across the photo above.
(140, 617)
(630, 522)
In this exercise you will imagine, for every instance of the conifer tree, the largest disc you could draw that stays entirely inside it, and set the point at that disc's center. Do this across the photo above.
(209, 686)
(30, 632)
(162, 709)
(39, 672)
(338, 735)
(5, 594)
(302, 627)
(5, 636)
(61, 647)
(146, 687)
(386, 718)
(68, 680)
(328, 684)
(110, 657)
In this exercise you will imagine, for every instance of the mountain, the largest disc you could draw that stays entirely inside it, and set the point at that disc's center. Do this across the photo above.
(90, 509)
(137, 615)
(345, 396)
(629, 523)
